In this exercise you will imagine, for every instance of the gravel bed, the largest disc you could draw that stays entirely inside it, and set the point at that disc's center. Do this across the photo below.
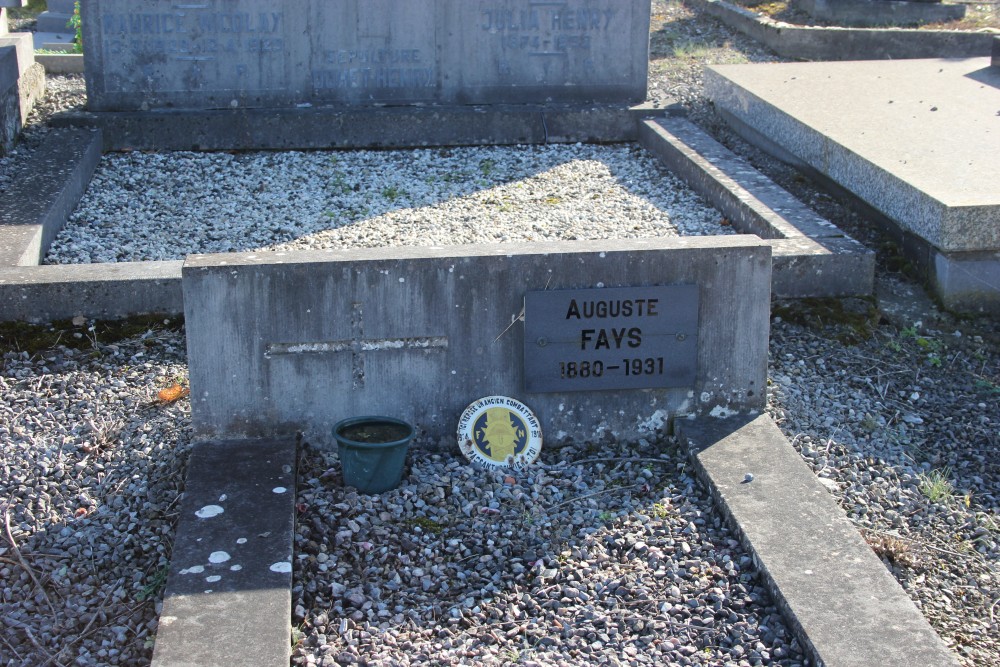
(159, 206)
(601, 553)
(91, 467)
(903, 427)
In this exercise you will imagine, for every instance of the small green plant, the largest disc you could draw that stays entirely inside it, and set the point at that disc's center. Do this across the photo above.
(606, 516)
(660, 511)
(153, 586)
(298, 635)
(425, 524)
(869, 423)
(691, 50)
(338, 184)
(936, 485)
(511, 655)
(486, 167)
(74, 22)
(986, 386)
(392, 193)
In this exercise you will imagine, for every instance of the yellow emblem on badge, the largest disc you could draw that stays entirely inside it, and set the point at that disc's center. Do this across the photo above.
(499, 431)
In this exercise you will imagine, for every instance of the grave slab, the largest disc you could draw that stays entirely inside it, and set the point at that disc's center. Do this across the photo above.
(310, 338)
(838, 43)
(258, 53)
(228, 592)
(53, 21)
(917, 143)
(881, 12)
(845, 607)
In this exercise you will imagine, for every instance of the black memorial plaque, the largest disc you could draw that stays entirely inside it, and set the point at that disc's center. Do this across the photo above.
(610, 338)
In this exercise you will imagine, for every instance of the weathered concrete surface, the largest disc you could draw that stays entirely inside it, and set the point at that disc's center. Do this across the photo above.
(811, 257)
(842, 602)
(22, 83)
(373, 127)
(35, 207)
(419, 333)
(61, 63)
(916, 143)
(229, 588)
(220, 54)
(819, 43)
(96, 291)
(881, 12)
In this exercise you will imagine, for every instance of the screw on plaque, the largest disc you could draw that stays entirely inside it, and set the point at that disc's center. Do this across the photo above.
(542, 342)
(681, 338)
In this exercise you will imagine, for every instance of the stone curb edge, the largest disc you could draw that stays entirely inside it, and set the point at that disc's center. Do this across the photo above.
(845, 607)
(229, 587)
(811, 256)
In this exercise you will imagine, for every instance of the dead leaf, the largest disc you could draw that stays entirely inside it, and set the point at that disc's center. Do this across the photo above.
(173, 393)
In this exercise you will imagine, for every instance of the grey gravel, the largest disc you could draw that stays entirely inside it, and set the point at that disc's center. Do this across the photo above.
(91, 469)
(600, 553)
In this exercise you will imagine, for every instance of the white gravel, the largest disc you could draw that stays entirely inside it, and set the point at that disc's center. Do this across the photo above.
(159, 206)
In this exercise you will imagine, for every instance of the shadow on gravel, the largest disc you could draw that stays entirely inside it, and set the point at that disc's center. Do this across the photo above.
(92, 468)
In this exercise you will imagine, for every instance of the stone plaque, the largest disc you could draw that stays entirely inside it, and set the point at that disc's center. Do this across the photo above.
(210, 54)
(610, 338)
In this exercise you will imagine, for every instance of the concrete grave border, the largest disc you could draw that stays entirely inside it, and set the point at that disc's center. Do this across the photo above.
(829, 584)
(822, 43)
(64, 165)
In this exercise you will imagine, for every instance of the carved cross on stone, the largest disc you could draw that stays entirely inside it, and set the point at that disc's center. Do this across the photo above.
(357, 345)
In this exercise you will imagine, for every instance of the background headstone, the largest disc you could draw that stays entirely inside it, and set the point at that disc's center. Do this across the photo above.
(56, 17)
(143, 54)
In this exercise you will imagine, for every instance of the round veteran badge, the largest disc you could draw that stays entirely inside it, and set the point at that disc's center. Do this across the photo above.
(501, 432)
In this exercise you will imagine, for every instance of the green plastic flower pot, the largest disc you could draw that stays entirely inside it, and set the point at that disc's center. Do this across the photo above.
(372, 451)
